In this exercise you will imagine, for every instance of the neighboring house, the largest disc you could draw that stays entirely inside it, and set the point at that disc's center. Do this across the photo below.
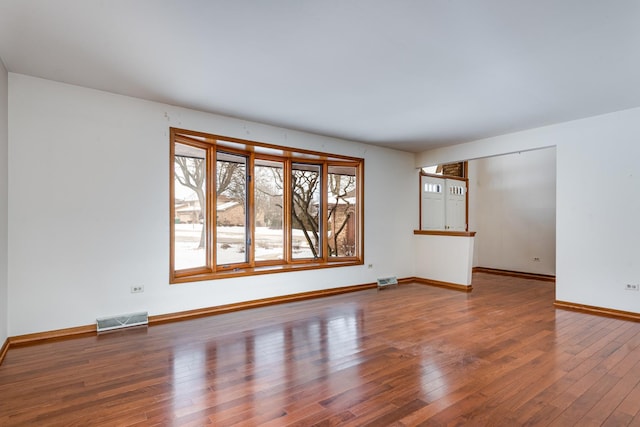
(188, 210)
(228, 212)
(342, 222)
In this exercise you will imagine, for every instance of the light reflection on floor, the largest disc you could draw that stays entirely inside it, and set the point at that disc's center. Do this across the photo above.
(333, 340)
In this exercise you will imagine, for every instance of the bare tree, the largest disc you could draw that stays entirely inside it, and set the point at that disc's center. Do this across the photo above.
(269, 193)
(231, 181)
(190, 172)
(340, 186)
(305, 211)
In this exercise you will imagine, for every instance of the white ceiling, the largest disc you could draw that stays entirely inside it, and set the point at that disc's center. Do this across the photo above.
(407, 74)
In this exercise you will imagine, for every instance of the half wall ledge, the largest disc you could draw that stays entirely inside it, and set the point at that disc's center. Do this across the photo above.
(444, 256)
(445, 233)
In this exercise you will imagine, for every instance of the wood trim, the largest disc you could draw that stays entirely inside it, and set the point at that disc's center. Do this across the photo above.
(519, 274)
(247, 144)
(287, 200)
(210, 214)
(448, 285)
(323, 244)
(300, 265)
(228, 308)
(360, 210)
(251, 213)
(465, 166)
(434, 175)
(420, 199)
(598, 311)
(172, 203)
(3, 350)
(59, 334)
(209, 149)
(20, 340)
(445, 233)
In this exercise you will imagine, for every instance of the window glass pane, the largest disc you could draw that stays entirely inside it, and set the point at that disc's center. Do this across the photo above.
(305, 213)
(231, 213)
(190, 202)
(269, 213)
(341, 211)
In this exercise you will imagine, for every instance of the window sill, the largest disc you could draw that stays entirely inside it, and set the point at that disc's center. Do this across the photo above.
(254, 271)
(445, 233)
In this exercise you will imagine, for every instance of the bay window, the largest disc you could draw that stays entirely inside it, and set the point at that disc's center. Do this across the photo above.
(243, 207)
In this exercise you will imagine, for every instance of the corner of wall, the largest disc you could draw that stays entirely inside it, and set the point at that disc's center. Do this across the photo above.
(4, 204)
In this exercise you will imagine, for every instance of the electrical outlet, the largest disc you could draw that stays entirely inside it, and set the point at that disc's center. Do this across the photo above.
(536, 259)
(136, 289)
(631, 287)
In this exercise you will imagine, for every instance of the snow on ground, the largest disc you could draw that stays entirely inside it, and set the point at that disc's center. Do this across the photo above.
(230, 246)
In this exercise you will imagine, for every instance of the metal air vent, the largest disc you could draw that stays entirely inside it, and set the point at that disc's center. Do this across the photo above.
(384, 282)
(122, 321)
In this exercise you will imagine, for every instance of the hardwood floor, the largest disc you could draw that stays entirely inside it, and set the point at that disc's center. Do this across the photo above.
(411, 355)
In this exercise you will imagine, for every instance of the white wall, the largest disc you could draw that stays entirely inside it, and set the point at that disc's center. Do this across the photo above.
(4, 200)
(598, 212)
(444, 258)
(89, 208)
(496, 146)
(513, 211)
(597, 203)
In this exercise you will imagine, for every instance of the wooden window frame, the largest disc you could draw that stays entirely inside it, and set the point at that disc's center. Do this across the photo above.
(253, 151)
